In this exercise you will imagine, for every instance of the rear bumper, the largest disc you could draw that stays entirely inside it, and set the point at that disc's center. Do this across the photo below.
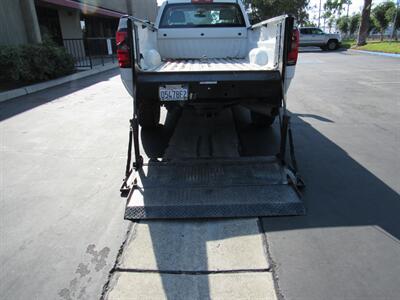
(215, 87)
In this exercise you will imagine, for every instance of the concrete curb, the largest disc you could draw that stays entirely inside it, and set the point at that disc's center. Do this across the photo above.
(7, 95)
(376, 53)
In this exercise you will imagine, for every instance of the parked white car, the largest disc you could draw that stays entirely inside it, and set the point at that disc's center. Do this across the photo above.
(313, 36)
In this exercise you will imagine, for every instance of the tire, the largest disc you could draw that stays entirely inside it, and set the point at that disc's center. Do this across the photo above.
(332, 45)
(148, 115)
(261, 120)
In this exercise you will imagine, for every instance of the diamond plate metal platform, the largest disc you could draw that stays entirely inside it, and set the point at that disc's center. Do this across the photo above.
(192, 181)
(223, 188)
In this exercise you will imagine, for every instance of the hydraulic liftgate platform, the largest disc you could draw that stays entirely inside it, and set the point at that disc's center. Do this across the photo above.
(202, 174)
(192, 181)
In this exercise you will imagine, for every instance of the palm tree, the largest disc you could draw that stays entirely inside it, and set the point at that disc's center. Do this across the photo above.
(364, 26)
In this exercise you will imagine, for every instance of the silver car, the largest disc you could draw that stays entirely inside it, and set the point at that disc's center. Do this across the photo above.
(313, 36)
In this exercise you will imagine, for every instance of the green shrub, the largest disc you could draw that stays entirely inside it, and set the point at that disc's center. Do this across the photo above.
(33, 63)
(10, 63)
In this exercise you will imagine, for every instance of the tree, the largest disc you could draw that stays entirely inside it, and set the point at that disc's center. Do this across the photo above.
(373, 25)
(265, 9)
(331, 21)
(309, 24)
(328, 18)
(343, 24)
(336, 6)
(364, 23)
(380, 13)
(354, 23)
(393, 15)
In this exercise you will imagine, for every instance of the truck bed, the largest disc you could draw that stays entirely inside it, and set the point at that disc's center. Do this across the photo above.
(211, 64)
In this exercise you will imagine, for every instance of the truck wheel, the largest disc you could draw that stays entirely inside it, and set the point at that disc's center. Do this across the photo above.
(261, 120)
(332, 45)
(148, 115)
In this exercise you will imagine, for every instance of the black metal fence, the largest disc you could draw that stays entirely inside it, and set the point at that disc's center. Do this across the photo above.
(386, 37)
(90, 52)
(373, 36)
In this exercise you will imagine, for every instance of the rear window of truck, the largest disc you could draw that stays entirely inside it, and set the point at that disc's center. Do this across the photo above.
(202, 15)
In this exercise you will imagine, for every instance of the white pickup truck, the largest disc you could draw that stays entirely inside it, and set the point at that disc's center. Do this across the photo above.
(206, 53)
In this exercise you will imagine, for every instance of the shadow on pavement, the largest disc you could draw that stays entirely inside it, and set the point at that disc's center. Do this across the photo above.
(255, 141)
(21, 104)
(182, 251)
(340, 193)
(319, 50)
(316, 117)
(155, 140)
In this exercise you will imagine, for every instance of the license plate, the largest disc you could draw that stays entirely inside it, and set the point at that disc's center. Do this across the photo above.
(174, 93)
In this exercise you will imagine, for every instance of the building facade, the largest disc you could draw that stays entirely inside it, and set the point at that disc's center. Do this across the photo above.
(32, 21)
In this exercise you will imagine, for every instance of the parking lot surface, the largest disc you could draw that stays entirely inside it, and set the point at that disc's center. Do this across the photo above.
(62, 160)
(347, 131)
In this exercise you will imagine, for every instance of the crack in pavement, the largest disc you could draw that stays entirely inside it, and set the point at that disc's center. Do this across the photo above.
(107, 284)
(117, 271)
(172, 272)
(273, 265)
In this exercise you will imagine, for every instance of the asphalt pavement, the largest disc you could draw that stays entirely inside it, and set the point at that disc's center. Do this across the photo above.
(62, 159)
(62, 162)
(346, 109)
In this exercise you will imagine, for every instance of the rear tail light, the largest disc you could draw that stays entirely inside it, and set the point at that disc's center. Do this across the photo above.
(294, 48)
(123, 51)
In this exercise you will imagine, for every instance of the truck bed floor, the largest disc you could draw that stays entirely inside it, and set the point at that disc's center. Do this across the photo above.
(212, 64)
